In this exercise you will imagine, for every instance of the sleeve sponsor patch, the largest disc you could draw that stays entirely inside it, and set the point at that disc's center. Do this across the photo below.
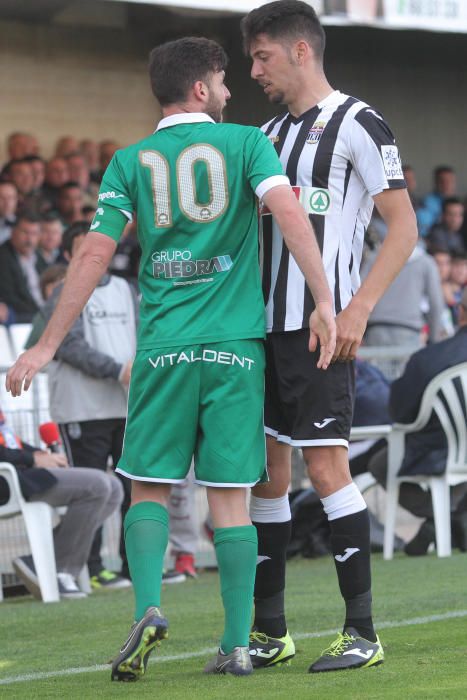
(392, 163)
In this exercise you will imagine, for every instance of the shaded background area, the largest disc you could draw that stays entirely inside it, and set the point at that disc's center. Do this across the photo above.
(80, 68)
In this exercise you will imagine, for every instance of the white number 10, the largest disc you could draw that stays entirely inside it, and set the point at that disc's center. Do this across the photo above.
(186, 184)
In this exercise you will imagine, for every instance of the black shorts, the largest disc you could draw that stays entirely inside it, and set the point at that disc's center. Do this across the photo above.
(306, 406)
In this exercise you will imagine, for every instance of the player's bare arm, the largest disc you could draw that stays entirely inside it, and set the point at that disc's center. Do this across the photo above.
(85, 270)
(397, 211)
(300, 239)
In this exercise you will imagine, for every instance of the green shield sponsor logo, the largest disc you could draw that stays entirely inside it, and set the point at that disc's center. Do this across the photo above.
(320, 201)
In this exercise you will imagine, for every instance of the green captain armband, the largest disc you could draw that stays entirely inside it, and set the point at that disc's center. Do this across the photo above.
(110, 221)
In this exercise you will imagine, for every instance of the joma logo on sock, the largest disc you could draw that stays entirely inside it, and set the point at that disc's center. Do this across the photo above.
(347, 554)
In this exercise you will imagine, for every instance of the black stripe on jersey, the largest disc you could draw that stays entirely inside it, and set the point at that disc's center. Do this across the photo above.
(273, 123)
(348, 171)
(337, 293)
(266, 223)
(376, 127)
(320, 178)
(280, 291)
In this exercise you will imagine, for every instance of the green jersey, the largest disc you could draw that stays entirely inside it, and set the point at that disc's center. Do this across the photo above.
(193, 185)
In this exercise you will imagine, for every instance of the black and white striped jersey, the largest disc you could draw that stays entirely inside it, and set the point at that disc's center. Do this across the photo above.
(338, 155)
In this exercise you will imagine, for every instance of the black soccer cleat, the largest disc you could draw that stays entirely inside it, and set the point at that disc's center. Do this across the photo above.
(349, 651)
(271, 651)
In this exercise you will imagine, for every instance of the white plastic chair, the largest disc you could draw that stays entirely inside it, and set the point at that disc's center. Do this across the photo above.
(441, 391)
(19, 333)
(38, 519)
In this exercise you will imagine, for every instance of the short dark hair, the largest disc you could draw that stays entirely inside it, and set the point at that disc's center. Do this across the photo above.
(285, 19)
(440, 169)
(28, 215)
(176, 65)
(79, 228)
(451, 200)
(51, 274)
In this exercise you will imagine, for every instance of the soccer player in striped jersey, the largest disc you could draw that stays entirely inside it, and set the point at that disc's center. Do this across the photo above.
(341, 156)
(197, 384)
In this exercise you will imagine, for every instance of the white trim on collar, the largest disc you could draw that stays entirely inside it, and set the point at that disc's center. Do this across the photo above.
(184, 118)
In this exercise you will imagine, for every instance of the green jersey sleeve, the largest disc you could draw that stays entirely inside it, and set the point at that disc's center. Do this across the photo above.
(264, 169)
(115, 206)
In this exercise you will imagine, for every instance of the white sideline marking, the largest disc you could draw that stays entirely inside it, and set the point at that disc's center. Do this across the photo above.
(212, 650)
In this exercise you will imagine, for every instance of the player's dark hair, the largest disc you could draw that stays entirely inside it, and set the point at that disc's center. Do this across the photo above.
(289, 20)
(176, 65)
(79, 228)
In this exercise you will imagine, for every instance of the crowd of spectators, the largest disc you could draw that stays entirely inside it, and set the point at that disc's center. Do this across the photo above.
(39, 200)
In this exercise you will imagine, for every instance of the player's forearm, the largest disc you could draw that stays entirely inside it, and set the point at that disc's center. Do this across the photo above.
(300, 239)
(84, 272)
(399, 243)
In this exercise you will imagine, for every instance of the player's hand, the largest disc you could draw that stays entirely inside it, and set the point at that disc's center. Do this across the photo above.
(351, 325)
(25, 367)
(49, 460)
(125, 374)
(323, 329)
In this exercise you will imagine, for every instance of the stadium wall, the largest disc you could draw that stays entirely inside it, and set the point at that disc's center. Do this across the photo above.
(91, 82)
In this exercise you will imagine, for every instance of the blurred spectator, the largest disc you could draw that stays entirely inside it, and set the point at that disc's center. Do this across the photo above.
(106, 150)
(426, 450)
(65, 146)
(125, 262)
(446, 235)
(38, 171)
(70, 203)
(411, 182)
(50, 240)
(7, 316)
(56, 175)
(49, 279)
(19, 172)
(398, 318)
(80, 173)
(89, 497)
(20, 145)
(88, 213)
(95, 359)
(20, 269)
(90, 151)
(8, 207)
(445, 185)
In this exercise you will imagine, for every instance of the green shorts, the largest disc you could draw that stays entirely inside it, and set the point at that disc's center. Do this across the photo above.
(202, 401)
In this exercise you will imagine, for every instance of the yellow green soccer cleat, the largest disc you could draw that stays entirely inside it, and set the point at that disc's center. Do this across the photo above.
(349, 651)
(145, 635)
(270, 651)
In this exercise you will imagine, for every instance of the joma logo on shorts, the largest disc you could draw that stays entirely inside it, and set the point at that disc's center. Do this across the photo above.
(221, 358)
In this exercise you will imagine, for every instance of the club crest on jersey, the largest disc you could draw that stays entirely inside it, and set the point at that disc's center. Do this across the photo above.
(273, 139)
(315, 133)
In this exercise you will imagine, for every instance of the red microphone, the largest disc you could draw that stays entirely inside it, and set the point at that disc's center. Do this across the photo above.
(50, 435)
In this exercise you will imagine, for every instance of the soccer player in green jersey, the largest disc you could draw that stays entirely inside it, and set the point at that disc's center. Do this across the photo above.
(197, 383)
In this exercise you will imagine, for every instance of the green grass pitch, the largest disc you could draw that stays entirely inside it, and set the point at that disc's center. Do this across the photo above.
(77, 638)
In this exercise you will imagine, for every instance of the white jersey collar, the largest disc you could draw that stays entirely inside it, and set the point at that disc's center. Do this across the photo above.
(184, 118)
(334, 96)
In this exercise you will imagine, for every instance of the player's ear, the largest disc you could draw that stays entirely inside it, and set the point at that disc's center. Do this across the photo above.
(301, 51)
(200, 90)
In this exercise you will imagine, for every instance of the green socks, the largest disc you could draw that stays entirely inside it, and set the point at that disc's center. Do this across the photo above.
(236, 550)
(146, 537)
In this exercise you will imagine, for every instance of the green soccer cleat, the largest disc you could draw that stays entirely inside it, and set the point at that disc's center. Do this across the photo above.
(349, 651)
(237, 663)
(145, 635)
(268, 651)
